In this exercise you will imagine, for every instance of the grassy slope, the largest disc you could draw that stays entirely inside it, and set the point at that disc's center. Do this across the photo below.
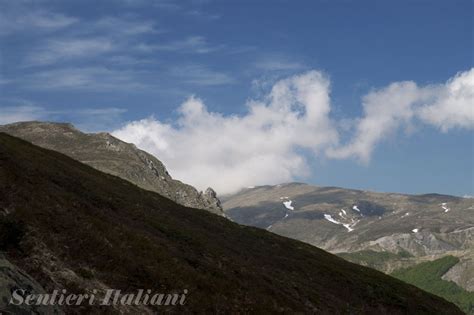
(427, 276)
(372, 258)
(129, 239)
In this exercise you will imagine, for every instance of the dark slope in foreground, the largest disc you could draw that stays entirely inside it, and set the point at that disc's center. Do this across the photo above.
(86, 229)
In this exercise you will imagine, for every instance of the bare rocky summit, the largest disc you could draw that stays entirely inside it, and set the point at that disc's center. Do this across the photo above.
(113, 156)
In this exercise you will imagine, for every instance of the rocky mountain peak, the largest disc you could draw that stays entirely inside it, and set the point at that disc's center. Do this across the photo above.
(114, 156)
(210, 197)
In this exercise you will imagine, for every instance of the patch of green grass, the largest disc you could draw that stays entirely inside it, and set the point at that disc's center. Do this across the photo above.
(372, 258)
(427, 276)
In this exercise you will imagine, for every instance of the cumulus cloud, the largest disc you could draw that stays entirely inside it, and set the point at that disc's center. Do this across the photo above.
(454, 106)
(402, 104)
(270, 143)
(205, 148)
(385, 111)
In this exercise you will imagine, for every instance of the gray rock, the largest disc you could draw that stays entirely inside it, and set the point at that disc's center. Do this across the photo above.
(111, 155)
(11, 279)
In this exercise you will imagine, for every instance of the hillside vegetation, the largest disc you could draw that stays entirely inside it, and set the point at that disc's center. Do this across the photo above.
(427, 276)
(77, 228)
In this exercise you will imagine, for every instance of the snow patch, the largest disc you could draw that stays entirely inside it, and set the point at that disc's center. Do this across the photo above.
(288, 205)
(347, 226)
(444, 206)
(406, 214)
(355, 208)
(415, 230)
(330, 219)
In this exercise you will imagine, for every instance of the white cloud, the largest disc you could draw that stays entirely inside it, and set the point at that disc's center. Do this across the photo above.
(203, 15)
(402, 104)
(277, 62)
(123, 27)
(192, 44)
(229, 152)
(15, 19)
(201, 75)
(268, 145)
(91, 39)
(385, 111)
(86, 78)
(59, 50)
(454, 106)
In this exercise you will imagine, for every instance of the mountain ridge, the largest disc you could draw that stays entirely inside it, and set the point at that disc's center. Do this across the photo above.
(349, 221)
(87, 229)
(114, 156)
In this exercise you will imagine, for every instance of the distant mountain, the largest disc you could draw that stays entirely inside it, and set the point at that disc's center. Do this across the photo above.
(111, 155)
(69, 226)
(386, 231)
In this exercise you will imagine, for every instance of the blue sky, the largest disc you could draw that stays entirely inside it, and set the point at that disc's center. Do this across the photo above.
(107, 65)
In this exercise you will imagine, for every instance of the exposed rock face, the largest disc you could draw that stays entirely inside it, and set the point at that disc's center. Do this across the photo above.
(463, 272)
(339, 220)
(211, 200)
(111, 155)
(11, 279)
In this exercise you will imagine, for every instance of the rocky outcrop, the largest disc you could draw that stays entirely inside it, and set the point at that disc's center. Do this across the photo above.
(463, 272)
(11, 279)
(111, 155)
(417, 244)
(210, 199)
